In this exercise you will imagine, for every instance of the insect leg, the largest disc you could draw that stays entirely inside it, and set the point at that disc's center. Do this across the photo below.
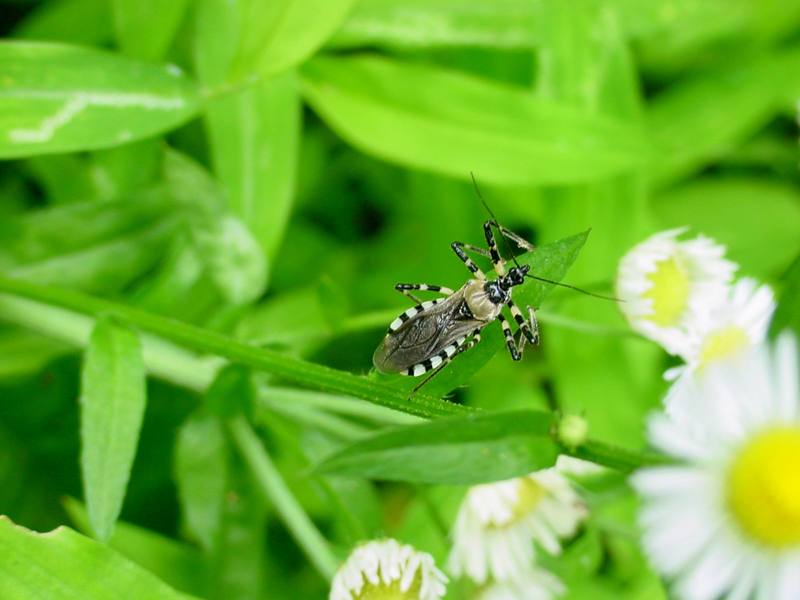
(405, 316)
(517, 239)
(445, 356)
(459, 247)
(405, 289)
(529, 328)
(497, 260)
(515, 352)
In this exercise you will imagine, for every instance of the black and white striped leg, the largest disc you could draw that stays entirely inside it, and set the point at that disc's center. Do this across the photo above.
(460, 247)
(445, 355)
(414, 310)
(494, 254)
(530, 327)
(406, 288)
(520, 241)
(516, 353)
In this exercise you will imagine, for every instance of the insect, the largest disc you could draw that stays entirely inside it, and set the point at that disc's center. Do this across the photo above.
(432, 333)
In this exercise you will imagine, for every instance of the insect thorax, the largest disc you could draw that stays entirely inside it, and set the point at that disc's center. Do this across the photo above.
(480, 302)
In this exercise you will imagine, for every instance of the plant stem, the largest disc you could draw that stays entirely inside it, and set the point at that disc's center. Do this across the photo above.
(616, 457)
(277, 492)
(197, 338)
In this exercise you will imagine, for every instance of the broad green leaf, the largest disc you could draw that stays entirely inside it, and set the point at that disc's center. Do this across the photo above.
(254, 133)
(86, 22)
(758, 219)
(61, 98)
(550, 261)
(145, 28)
(276, 36)
(787, 315)
(717, 109)
(233, 258)
(65, 565)
(200, 465)
(455, 450)
(177, 563)
(113, 396)
(450, 123)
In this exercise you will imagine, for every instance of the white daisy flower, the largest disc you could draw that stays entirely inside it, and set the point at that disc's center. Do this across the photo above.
(725, 521)
(665, 281)
(536, 584)
(388, 570)
(498, 523)
(739, 322)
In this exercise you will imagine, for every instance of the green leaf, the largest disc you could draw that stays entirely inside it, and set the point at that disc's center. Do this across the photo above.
(275, 36)
(717, 109)
(233, 258)
(551, 261)
(177, 563)
(787, 315)
(254, 133)
(200, 466)
(758, 219)
(66, 565)
(457, 450)
(113, 396)
(85, 22)
(431, 23)
(60, 98)
(145, 28)
(110, 244)
(450, 123)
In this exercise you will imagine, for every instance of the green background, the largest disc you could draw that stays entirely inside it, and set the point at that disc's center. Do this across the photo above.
(267, 171)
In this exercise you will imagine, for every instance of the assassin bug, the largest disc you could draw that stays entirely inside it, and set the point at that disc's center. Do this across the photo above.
(429, 335)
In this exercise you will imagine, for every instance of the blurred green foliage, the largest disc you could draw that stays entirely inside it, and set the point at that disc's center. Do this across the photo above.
(268, 172)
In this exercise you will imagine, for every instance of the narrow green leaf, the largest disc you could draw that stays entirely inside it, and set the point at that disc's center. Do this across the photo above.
(66, 565)
(305, 373)
(200, 465)
(145, 28)
(551, 261)
(177, 563)
(113, 397)
(787, 315)
(233, 258)
(60, 98)
(276, 36)
(456, 450)
(436, 23)
(254, 133)
(395, 110)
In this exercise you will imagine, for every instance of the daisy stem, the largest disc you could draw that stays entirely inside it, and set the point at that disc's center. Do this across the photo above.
(616, 457)
(203, 340)
(277, 492)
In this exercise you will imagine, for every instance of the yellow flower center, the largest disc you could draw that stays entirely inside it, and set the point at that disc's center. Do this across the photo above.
(529, 494)
(391, 591)
(722, 344)
(669, 291)
(763, 488)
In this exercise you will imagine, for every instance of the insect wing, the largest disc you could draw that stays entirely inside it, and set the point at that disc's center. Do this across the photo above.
(425, 334)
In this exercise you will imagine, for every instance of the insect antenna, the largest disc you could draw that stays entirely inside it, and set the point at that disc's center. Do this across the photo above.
(574, 287)
(494, 219)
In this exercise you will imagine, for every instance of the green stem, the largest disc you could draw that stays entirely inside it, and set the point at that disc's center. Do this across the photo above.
(616, 457)
(277, 492)
(289, 368)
